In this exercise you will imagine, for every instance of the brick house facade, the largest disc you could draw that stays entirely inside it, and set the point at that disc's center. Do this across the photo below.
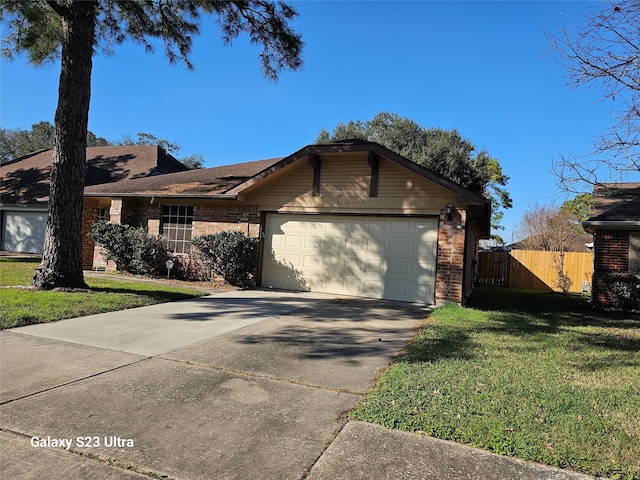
(349, 189)
(615, 225)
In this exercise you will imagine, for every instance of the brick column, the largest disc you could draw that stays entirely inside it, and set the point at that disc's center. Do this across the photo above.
(89, 215)
(611, 255)
(450, 261)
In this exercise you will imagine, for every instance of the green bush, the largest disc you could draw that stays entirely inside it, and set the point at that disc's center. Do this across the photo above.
(132, 248)
(625, 289)
(231, 254)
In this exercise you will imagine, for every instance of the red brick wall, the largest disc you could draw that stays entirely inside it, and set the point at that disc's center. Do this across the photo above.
(471, 260)
(611, 255)
(450, 260)
(89, 216)
(215, 218)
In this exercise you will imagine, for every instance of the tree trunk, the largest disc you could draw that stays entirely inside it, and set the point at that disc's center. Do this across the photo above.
(62, 255)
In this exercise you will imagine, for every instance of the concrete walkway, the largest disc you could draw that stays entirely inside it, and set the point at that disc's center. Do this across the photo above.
(239, 385)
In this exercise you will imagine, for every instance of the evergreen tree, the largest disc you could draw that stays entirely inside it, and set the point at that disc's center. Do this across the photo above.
(72, 31)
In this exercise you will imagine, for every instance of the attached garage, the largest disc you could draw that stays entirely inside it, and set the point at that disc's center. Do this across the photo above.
(392, 258)
(23, 231)
(349, 217)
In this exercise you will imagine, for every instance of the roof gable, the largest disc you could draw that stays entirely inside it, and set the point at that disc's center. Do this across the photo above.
(464, 195)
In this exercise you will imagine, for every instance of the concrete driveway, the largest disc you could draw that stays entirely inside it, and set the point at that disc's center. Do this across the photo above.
(250, 384)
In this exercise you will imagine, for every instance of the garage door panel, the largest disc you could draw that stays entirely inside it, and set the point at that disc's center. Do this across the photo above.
(356, 244)
(311, 241)
(24, 231)
(352, 284)
(312, 261)
(293, 240)
(400, 226)
(400, 248)
(373, 289)
(375, 266)
(380, 257)
(293, 259)
(397, 291)
(399, 268)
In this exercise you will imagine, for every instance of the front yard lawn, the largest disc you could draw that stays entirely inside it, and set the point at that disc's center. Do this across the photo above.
(20, 306)
(533, 375)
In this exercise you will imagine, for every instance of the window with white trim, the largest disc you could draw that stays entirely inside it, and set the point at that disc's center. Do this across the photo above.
(176, 226)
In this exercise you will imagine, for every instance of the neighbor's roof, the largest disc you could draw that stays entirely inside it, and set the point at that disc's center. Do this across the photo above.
(615, 205)
(578, 244)
(26, 179)
(193, 183)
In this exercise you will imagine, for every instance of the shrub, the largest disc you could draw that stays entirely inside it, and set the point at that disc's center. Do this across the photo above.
(132, 248)
(191, 268)
(231, 254)
(625, 289)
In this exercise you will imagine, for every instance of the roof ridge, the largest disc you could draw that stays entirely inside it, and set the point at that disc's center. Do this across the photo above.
(28, 155)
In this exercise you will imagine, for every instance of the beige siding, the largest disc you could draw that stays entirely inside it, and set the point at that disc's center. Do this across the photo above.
(344, 187)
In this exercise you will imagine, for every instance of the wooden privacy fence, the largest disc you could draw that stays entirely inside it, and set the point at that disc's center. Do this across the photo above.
(533, 269)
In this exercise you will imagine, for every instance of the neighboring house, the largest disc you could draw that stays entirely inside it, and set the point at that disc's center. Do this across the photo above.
(24, 187)
(615, 224)
(348, 217)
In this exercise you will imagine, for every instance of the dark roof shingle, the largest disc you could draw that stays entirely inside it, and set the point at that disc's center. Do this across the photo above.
(26, 179)
(201, 182)
(616, 202)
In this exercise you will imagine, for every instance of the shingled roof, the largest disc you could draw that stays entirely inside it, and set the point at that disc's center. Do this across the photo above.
(615, 204)
(26, 179)
(193, 183)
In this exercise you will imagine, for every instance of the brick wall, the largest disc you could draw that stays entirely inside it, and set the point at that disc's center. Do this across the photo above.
(471, 260)
(140, 213)
(89, 216)
(215, 218)
(611, 255)
(450, 260)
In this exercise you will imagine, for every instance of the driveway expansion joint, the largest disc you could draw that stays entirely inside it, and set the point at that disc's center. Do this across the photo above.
(108, 461)
(71, 382)
(265, 376)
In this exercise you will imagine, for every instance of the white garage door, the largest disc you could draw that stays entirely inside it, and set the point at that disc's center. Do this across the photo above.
(23, 231)
(380, 257)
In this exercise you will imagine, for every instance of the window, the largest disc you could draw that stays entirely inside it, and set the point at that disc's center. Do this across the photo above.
(176, 226)
(102, 214)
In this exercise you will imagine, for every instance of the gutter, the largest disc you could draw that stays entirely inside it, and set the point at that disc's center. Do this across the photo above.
(221, 196)
(591, 226)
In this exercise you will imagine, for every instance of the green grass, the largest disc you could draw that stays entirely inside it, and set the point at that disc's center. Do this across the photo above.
(23, 307)
(534, 375)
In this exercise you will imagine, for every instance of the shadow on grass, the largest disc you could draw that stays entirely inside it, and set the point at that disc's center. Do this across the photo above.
(34, 260)
(532, 310)
(525, 322)
(159, 294)
(612, 337)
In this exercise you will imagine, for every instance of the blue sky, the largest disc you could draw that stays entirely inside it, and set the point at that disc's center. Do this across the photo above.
(479, 67)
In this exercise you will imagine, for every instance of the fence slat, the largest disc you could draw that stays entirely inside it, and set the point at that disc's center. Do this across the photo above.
(533, 269)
